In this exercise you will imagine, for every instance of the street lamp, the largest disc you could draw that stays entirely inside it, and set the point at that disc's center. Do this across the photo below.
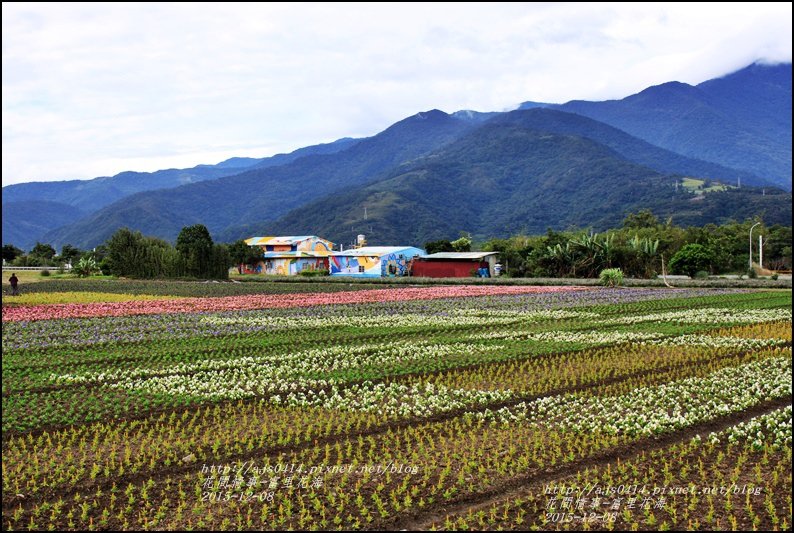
(751, 244)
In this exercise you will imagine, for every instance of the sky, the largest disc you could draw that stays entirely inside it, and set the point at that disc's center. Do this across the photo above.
(92, 90)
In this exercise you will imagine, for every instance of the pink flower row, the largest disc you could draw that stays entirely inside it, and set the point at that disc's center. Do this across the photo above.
(268, 301)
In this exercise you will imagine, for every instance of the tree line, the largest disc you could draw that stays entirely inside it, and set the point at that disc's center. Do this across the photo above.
(132, 255)
(643, 247)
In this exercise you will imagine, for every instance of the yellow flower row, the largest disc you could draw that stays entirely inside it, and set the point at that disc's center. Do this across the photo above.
(81, 297)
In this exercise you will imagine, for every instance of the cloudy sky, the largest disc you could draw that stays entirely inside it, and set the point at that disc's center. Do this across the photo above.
(95, 89)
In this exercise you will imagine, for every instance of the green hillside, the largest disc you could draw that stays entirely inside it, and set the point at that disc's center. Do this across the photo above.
(502, 180)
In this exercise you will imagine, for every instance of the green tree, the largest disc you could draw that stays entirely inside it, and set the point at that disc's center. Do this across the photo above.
(642, 219)
(241, 254)
(99, 252)
(194, 244)
(28, 261)
(44, 251)
(592, 252)
(11, 252)
(434, 247)
(132, 255)
(462, 245)
(777, 248)
(123, 252)
(691, 259)
(69, 253)
(641, 256)
(220, 261)
(548, 255)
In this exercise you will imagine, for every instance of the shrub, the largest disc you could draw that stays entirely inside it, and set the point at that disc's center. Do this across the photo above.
(313, 273)
(690, 259)
(611, 277)
(104, 266)
(45, 272)
(701, 274)
(774, 276)
(751, 273)
(87, 266)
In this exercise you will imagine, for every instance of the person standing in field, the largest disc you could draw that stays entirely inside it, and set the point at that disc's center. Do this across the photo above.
(484, 271)
(14, 281)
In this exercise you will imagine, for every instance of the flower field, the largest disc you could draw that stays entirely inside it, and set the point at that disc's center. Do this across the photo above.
(49, 298)
(434, 407)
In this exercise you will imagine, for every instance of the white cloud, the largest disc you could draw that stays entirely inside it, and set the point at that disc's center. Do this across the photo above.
(96, 89)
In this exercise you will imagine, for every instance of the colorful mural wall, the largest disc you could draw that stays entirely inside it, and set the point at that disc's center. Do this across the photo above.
(394, 265)
(302, 243)
(373, 262)
(315, 245)
(288, 256)
(288, 266)
(368, 266)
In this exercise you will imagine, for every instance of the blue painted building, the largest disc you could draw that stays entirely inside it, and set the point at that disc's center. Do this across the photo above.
(373, 261)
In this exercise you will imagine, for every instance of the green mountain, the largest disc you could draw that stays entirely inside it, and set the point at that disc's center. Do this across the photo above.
(742, 120)
(31, 210)
(26, 220)
(729, 130)
(265, 193)
(629, 147)
(92, 195)
(503, 179)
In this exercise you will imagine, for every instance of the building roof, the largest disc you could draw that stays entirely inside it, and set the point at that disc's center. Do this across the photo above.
(458, 255)
(293, 255)
(374, 250)
(282, 241)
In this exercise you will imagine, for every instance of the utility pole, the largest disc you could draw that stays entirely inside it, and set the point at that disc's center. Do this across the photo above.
(751, 244)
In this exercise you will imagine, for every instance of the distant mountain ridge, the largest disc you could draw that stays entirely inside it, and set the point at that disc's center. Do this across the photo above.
(23, 221)
(736, 118)
(266, 193)
(514, 175)
(75, 199)
(631, 148)
(90, 195)
(741, 120)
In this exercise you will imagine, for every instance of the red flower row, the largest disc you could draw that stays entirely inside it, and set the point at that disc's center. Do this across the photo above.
(269, 301)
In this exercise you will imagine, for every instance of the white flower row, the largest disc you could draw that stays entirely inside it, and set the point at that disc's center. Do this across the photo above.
(457, 317)
(247, 376)
(231, 384)
(461, 317)
(394, 399)
(772, 428)
(577, 337)
(715, 342)
(559, 314)
(594, 338)
(708, 315)
(650, 410)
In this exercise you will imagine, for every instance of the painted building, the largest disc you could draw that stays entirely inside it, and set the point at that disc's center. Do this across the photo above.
(373, 261)
(454, 264)
(288, 256)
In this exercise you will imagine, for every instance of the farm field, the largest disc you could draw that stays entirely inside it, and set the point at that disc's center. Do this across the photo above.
(138, 405)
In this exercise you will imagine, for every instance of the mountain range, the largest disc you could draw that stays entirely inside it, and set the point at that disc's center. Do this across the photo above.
(507, 177)
(432, 175)
(742, 120)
